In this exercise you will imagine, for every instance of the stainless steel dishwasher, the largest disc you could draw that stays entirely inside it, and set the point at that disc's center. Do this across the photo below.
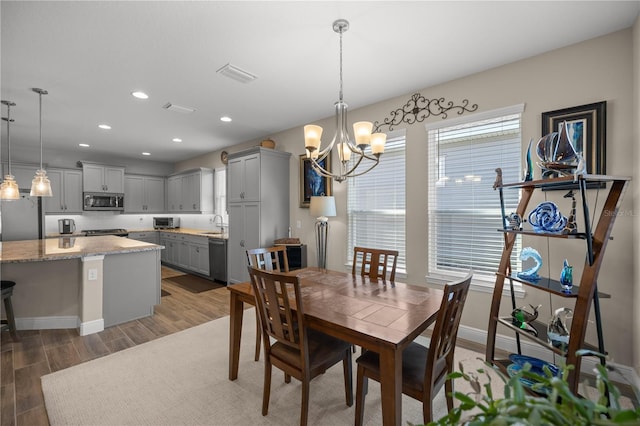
(218, 259)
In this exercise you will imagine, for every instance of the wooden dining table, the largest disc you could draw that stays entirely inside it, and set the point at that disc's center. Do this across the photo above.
(380, 316)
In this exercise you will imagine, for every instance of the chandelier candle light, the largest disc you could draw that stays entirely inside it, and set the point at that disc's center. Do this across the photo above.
(322, 208)
(41, 186)
(345, 147)
(9, 188)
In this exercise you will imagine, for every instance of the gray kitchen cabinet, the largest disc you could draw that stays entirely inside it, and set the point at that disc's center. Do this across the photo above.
(258, 193)
(189, 253)
(190, 191)
(66, 190)
(152, 237)
(144, 194)
(171, 245)
(102, 178)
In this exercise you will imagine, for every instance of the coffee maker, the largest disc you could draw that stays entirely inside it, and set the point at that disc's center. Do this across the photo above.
(66, 226)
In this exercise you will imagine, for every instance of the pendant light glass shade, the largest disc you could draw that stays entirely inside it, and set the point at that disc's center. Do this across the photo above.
(40, 185)
(9, 188)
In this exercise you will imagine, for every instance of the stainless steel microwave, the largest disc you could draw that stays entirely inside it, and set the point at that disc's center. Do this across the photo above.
(166, 222)
(103, 201)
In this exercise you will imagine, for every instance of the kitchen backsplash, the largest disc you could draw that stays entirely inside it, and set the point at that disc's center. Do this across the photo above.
(130, 222)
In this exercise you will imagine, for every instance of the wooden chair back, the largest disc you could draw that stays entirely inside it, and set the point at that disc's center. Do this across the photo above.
(279, 306)
(268, 259)
(445, 333)
(375, 262)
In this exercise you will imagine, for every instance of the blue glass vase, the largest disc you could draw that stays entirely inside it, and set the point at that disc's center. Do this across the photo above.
(566, 277)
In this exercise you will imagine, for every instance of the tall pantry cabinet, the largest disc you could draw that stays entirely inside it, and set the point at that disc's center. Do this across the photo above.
(258, 204)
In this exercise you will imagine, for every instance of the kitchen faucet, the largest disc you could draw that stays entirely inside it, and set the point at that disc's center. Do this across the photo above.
(221, 226)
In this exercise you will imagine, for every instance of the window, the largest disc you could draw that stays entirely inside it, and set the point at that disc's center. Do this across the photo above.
(464, 209)
(220, 193)
(376, 204)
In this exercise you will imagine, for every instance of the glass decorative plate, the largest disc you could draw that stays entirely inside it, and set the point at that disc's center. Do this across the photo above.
(536, 364)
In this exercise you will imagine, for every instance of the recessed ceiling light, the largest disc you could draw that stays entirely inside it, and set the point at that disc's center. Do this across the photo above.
(225, 119)
(146, 153)
(104, 126)
(84, 145)
(140, 95)
(177, 140)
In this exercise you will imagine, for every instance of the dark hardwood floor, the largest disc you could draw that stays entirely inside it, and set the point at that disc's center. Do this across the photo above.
(40, 352)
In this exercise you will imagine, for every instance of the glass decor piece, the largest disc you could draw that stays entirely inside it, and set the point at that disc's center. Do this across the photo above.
(528, 172)
(566, 277)
(557, 331)
(546, 218)
(530, 274)
(513, 222)
(557, 154)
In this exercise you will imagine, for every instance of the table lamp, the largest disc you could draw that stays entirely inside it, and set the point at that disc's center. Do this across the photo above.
(322, 208)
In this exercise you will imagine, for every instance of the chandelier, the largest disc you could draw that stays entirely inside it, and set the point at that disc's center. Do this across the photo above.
(364, 140)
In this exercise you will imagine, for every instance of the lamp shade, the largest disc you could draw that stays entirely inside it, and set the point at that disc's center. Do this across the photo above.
(322, 207)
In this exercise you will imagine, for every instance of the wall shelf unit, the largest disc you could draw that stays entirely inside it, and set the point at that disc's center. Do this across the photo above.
(584, 293)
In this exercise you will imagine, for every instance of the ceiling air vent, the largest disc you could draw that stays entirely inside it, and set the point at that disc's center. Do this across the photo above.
(178, 108)
(236, 74)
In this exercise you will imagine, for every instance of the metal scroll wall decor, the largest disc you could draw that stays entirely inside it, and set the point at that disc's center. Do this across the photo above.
(418, 108)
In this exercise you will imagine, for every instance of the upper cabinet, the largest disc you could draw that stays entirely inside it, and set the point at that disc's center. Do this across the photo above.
(190, 191)
(144, 194)
(66, 188)
(244, 178)
(101, 178)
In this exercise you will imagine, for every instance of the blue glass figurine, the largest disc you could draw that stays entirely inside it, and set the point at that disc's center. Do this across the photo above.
(566, 277)
(530, 274)
(528, 173)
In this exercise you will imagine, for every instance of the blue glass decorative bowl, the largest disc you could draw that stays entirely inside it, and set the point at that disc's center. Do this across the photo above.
(546, 218)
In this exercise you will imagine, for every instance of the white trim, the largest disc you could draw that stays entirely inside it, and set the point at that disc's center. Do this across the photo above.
(91, 258)
(46, 323)
(91, 327)
(479, 116)
(622, 373)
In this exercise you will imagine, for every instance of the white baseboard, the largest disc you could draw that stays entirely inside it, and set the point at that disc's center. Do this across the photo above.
(621, 373)
(91, 327)
(46, 323)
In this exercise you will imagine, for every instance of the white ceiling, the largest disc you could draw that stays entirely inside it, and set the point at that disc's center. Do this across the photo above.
(90, 55)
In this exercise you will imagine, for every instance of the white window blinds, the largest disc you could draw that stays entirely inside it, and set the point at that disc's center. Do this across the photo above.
(464, 210)
(376, 204)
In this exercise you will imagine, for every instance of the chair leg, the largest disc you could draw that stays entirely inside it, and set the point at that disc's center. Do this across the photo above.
(347, 367)
(11, 322)
(266, 393)
(304, 406)
(361, 382)
(258, 338)
(287, 378)
(448, 391)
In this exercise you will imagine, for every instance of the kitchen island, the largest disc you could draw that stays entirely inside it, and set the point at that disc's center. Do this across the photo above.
(87, 283)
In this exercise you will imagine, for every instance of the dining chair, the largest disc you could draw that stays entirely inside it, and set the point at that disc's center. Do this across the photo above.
(267, 259)
(298, 351)
(375, 262)
(424, 369)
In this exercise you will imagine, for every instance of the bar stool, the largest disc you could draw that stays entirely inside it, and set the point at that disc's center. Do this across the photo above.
(7, 291)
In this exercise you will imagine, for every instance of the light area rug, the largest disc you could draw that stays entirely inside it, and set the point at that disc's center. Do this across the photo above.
(182, 379)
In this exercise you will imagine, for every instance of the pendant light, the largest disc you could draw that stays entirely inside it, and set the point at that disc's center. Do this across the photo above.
(41, 186)
(9, 188)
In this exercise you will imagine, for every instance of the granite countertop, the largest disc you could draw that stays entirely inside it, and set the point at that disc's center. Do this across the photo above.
(69, 248)
(188, 231)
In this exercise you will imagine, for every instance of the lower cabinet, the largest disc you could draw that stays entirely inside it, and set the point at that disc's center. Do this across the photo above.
(152, 237)
(186, 252)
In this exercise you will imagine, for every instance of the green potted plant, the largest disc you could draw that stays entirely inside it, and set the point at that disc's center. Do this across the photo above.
(554, 405)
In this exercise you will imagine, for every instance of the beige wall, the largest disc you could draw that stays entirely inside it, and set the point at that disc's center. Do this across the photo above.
(592, 71)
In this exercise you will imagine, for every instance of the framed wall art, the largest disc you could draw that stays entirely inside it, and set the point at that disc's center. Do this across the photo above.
(311, 182)
(587, 125)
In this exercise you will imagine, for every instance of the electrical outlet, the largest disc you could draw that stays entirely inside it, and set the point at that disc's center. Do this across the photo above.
(93, 274)
(299, 224)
